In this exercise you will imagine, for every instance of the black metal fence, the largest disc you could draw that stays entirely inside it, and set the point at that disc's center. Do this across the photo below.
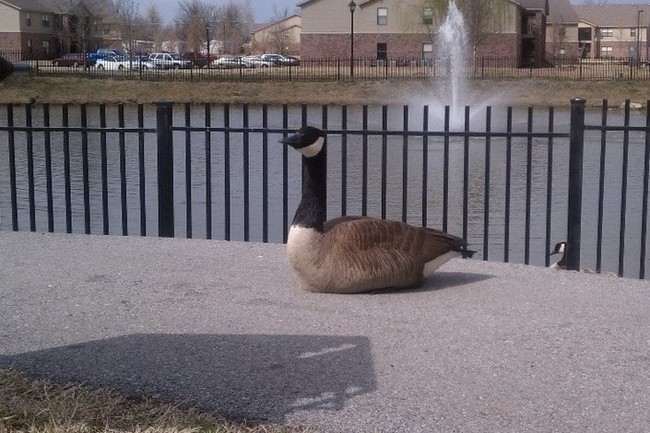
(512, 184)
(337, 69)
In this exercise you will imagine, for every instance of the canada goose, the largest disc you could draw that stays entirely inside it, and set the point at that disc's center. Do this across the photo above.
(353, 254)
(562, 248)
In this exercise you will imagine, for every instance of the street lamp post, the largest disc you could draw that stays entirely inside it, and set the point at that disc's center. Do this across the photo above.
(638, 37)
(352, 5)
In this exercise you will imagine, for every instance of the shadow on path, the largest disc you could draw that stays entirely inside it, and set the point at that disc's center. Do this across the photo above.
(438, 281)
(258, 377)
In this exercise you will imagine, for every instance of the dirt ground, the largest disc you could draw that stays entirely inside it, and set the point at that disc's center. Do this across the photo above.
(523, 92)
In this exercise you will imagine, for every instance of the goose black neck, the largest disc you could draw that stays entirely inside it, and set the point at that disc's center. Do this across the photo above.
(312, 210)
(562, 263)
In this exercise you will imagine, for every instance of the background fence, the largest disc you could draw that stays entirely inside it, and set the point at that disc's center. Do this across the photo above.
(336, 69)
(510, 182)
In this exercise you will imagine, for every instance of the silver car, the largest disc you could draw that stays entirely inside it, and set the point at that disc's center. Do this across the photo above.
(169, 61)
(230, 62)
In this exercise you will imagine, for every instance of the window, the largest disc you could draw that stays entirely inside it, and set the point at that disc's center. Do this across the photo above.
(427, 52)
(45, 20)
(382, 16)
(46, 47)
(584, 34)
(427, 16)
(606, 33)
(606, 51)
(30, 49)
(561, 32)
(28, 19)
(633, 33)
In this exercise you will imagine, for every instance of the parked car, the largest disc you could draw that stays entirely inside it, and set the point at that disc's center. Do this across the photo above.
(105, 52)
(112, 63)
(230, 62)
(290, 61)
(199, 60)
(135, 62)
(280, 60)
(274, 59)
(169, 61)
(257, 61)
(73, 59)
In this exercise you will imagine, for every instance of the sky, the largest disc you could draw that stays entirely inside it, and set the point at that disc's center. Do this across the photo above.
(264, 10)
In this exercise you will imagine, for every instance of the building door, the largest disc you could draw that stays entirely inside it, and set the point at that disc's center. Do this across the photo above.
(382, 51)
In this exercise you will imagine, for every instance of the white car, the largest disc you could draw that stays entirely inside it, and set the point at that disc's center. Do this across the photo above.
(280, 60)
(230, 62)
(257, 61)
(169, 61)
(112, 63)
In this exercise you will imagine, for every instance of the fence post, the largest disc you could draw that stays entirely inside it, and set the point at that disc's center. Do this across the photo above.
(574, 211)
(165, 169)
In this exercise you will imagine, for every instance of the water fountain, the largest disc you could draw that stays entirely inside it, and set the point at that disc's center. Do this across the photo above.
(452, 51)
(452, 47)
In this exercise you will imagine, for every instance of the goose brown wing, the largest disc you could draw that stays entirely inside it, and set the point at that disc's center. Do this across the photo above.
(362, 233)
(371, 251)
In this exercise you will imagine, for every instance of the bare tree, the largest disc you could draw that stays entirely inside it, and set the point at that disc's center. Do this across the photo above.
(153, 23)
(230, 23)
(482, 17)
(279, 38)
(129, 22)
(75, 25)
(235, 20)
(558, 30)
(193, 21)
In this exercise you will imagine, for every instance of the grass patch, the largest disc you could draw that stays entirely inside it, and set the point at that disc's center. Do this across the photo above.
(515, 92)
(39, 406)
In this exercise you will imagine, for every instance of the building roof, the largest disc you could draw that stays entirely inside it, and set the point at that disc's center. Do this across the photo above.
(258, 27)
(99, 7)
(614, 15)
(33, 5)
(561, 11)
(533, 4)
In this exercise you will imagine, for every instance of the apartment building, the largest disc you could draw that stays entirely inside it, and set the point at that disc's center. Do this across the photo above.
(281, 37)
(49, 28)
(406, 28)
(618, 31)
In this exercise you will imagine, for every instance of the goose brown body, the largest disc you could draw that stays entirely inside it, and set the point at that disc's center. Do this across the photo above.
(354, 254)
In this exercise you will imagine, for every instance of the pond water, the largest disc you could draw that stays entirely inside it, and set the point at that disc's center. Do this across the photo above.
(345, 156)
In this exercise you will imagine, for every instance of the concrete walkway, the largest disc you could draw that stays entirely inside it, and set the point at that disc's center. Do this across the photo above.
(482, 347)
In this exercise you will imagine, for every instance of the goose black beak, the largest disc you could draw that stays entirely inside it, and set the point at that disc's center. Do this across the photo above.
(293, 140)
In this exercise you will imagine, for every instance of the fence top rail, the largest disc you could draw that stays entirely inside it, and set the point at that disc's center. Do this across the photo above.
(75, 129)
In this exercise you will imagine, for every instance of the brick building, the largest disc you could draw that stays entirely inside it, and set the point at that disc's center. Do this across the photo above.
(613, 31)
(405, 28)
(49, 28)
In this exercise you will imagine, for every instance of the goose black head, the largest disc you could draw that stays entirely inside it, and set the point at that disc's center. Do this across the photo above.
(560, 248)
(309, 141)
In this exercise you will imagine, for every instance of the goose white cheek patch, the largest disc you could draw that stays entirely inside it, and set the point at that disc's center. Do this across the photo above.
(313, 149)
